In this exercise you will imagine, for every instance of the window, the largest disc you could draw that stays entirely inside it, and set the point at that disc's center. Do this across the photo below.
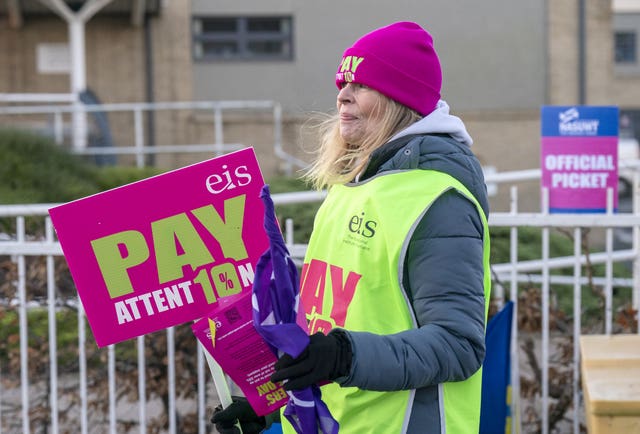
(243, 38)
(625, 47)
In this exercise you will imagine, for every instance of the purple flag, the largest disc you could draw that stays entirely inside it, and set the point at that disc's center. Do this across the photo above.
(275, 311)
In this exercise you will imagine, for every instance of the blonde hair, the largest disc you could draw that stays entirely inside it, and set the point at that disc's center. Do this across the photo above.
(338, 162)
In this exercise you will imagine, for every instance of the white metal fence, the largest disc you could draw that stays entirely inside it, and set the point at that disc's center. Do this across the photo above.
(39, 392)
(61, 120)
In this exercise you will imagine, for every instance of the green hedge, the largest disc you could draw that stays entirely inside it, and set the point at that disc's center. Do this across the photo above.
(33, 169)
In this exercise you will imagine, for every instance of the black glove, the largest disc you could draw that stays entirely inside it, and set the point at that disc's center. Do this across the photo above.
(239, 410)
(325, 358)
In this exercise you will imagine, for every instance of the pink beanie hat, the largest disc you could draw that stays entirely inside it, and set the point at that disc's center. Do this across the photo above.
(398, 61)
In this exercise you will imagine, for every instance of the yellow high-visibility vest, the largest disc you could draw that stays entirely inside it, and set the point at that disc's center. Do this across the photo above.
(352, 279)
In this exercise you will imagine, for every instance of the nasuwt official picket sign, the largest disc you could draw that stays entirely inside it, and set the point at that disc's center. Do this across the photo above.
(579, 157)
(162, 251)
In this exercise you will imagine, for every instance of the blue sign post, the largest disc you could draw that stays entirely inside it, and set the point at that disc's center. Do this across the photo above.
(579, 157)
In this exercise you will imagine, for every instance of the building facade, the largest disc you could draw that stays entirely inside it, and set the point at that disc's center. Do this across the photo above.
(501, 61)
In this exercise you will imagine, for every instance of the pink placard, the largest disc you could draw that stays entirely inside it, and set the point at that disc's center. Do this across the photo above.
(228, 334)
(162, 251)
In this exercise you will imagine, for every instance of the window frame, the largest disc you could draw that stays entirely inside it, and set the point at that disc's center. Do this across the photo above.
(632, 50)
(241, 37)
(625, 23)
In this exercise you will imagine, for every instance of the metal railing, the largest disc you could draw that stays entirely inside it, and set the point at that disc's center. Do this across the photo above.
(21, 245)
(139, 145)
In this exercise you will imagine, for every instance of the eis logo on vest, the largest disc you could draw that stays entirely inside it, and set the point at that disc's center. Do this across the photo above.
(360, 225)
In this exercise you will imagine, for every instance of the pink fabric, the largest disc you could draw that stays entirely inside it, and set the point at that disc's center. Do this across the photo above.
(398, 61)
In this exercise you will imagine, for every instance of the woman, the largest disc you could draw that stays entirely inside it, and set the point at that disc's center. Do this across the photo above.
(396, 279)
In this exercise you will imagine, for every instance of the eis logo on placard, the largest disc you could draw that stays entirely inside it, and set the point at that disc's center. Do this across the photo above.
(570, 124)
(229, 179)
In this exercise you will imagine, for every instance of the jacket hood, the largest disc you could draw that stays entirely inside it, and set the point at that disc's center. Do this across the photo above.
(439, 142)
(439, 121)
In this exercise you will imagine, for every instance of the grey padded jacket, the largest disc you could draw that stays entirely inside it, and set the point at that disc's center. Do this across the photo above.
(445, 288)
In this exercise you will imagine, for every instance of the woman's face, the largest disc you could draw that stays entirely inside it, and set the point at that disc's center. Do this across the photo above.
(359, 109)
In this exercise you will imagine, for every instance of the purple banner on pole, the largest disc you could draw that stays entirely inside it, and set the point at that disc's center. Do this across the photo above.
(579, 158)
